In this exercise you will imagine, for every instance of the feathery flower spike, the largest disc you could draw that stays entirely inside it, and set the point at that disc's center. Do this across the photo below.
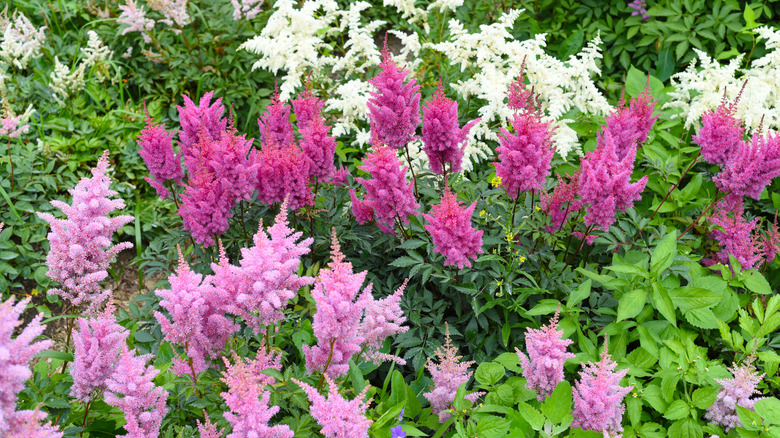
(547, 353)
(735, 392)
(443, 139)
(198, 123)
(275, 126)
(453, 235)
(383, 318)
(156, 145)
(738, 238)
(721, 133)
(338, 417)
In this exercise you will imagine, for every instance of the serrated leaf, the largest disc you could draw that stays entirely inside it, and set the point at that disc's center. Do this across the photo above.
(755, 282)
(663, 303)
(631, 304)
(489, 373)
(689, 298)
(702, 318)
(663, 254)
(769, 410)
(677, 410)
(531, 415)
(703, 398)
(558, 404)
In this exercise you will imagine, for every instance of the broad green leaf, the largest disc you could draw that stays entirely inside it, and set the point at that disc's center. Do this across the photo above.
(769, 410)
(489, 373)
(663, 303)
(687, 428)
(531, 415)
(578, 295)
(628, 269)
(749, 419)
(510, 361)
(631, 304)
(663, 254)
(636, 80)
(558, 404)
(677, 410)
(755, 282)
(688, 298)
(702, 318)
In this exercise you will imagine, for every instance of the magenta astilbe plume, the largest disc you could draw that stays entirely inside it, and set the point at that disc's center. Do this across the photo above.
(630, 125)
(447, 376)
(80, 245)
(362, 212)
(198, 123)
(338, 417)
(443, 139)
(770, 242)
(543, 368)
(156, 145)
(319, 147)
(720, 134)
(205, 207)
(339, 177)
(275, 126)
(383, 318)
(598, 397)
(233, 161)
(752, 167)
(524, 157)
(15, 356)
(605, 182)
(560, 204)
(340, 304)
(307, 107)
(97, 345)
(196, 322)
(521, 98)
(130, 388)
(388, 193)
(266, 278)
(735, 392)
(738, 238)
(284, 173)
(394, 108)
(453, 235)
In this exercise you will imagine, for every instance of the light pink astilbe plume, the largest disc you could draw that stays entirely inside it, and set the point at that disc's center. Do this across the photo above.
(275, 126)
(319, 148)
(453, 235)
(9, 125)
(720, 133)
(97, 345)
(174, 11)
(27, 424)
(605, 183)
(266, 279)
(598, 397)
(561, 203)
(443, 138)
(388, 193)
(630, 125)
(80, 245)
(307, 107)
(156, 145)
(751, 168)
(447, 377)
(247, 9)
(197, 322)
(383, 318)
(735, 392)
(198, 123)
(338, 417)
(524, 156)
(134, 17)
(340, 304)
(394, 108)
(738, 238)
(205, 206)
(284, 173)
(547, 353)
(15, 355)
(130, 388)
(207, 429)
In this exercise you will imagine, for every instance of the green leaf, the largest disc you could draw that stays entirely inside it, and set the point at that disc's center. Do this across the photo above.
(636, 80)
(663, 303)
(628, 269)
(677, 410)
(510, 361)
(703, 398)
(631, 304)
(663, 254)
(769, 410)
(750, 18)
(689, 298)
(489, 373)
(687, 428)
(702, 318)
(142, 336)
(558, 405)
(755, 282)
(581, 293)
(749, 419)
(59, 355)
(531, 415)
(571, 45)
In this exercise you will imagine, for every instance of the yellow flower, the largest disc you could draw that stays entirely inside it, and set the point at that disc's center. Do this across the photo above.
(537, 208)
(522, 259)
(510, 237)
(496, 182)
(482, 213)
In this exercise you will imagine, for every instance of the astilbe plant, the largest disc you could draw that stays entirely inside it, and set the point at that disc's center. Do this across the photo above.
(394, 108)
(735, 392)
(197, 321)
(720, 134)
(284, 173)
(388, 194)
(233, 161)
(770, 242)
(319, 148)
(338, 417)
(561, 202)
(453, 235)
(383, 318)
(198, 123)
(80, 245)
(275, 125)
(447, 377)
(752, 167)
(543, 367)
(207, 429)
(307, 108)
(340, 303)
(738, 238)
(598, 397)
(156, 145)
(206, 204)
(258, 289)
(130, 388)
(630, 125)
(443, 138)
(15, 355)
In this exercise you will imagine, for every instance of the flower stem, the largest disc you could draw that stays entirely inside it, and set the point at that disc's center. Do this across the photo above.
(411, 169)
(695, 221)
(327, 364)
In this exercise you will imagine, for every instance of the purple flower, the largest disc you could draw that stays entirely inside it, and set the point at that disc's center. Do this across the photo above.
(388, 193)
(156, 145)
(362, 212)
(639, 9)
(598, 397)
(631, 125)
(737, 238)
(524, 157)
(397, 432)
(383, 318)
(198, 123)
(443, 139)
(307, 107)
(338, 417)
(80, 245)
(751, 168)
(560, 204)
(394, 108)
(205, 207)
(720, 135)
(339, 177)
(233, 161)
(319, 148)
(453, 235)
(735, 392)
(547, 352)
(275, 126)
(520, 97)
(207, 429)
(284, 173)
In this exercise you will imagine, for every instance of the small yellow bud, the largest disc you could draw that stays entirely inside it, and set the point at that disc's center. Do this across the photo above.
(482, 213)
(522, 259)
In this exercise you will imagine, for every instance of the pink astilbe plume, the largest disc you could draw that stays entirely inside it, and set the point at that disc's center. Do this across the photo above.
(605, 183)
(598, 397)
(15, 356)
(443, 138)
(735, 392)
(233, 161)
(362, 212)
(524, 156)
(27, 424)
(543, 368)
(339, 177)
(383, 318)
(9, 125)
(521, 98)
(207, 429)
(770, 242)
(319, 148)
(307, 107)
(338, 417)
(198, 123)
(447, 377)
(394, 108)
(80, 245)
(130, 388)
(275, 126)
(156, 145)
(247, 398)
(197, 322)
(453, 235)
(753, 165)
(248, 9)
(284, 173)
(97, 344)
(388, 193)
(340, 303)
(630, 125)
(266, 278)
(738, 238)
(720, 133)
(561, 203)
(134, 17)
(205, 206)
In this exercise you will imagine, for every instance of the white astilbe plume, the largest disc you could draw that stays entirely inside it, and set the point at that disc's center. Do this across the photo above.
(351, 100)
(701, 88)
(20, 41)
(65, 83)
(409, 12)
(361, 49)
(134, 17)
(444, 5)
(247, 9)
(410, 50)
(96, 55)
